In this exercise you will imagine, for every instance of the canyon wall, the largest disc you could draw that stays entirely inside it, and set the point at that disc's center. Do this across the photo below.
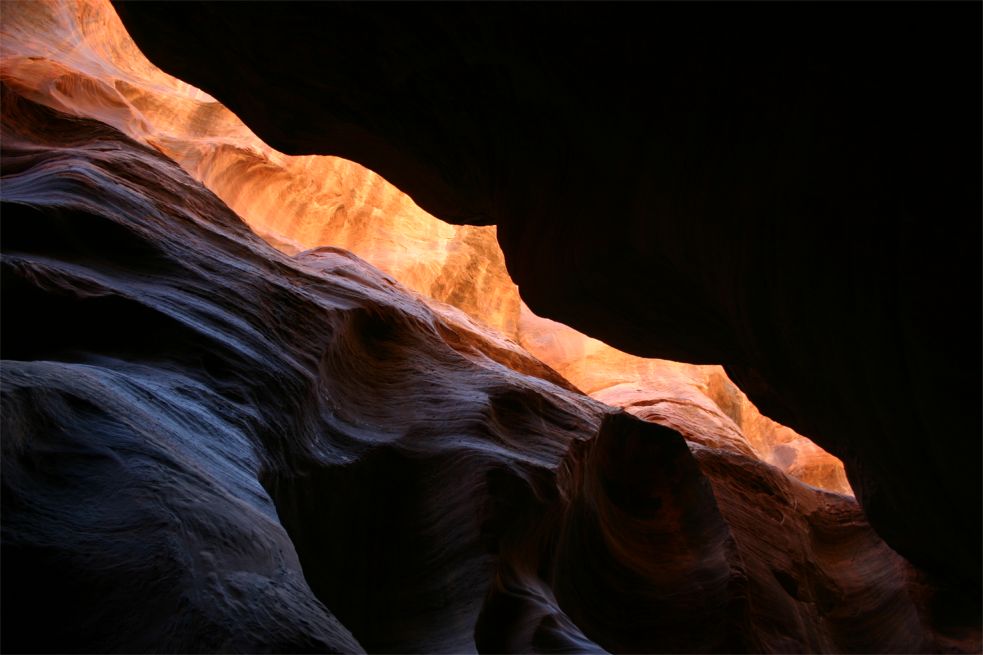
(214, 441)
(791, 191)
(77, 57)
(209, 445)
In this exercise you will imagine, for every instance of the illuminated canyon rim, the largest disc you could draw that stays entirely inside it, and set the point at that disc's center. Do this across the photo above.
(630, 328)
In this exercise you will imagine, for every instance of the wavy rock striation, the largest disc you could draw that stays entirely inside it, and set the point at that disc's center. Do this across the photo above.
(77, 57)
(790, 190)
(209, 445)
(161, 362)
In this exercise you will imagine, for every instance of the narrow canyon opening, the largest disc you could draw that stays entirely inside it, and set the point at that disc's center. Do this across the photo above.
(302, 414)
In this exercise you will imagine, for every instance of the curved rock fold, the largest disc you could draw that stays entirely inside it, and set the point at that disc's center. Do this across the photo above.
(215, 444)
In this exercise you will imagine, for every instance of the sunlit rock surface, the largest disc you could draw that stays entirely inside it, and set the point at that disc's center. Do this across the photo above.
(699, 401)
(209, 445)
(76, 57)
(792, 190)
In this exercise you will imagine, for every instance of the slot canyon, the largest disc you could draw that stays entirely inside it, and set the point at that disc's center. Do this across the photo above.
(493, 327)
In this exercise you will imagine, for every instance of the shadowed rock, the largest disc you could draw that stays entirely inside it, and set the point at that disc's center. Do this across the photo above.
(211, 446)
(301, 203)
(790, 190)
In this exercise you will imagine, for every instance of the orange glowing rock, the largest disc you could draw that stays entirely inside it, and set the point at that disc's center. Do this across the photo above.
(76, 56)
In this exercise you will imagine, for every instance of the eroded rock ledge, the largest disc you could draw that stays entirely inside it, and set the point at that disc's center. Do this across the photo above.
(790, 190)
(236, 449)
(209, 445)
(301, 203)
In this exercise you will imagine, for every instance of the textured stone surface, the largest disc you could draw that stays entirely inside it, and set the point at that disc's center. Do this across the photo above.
(76, 56)
(791, 190)
(211, 446)
(297, 203)
(699, 401)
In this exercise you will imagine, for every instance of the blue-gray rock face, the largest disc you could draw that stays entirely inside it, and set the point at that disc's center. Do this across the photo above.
(211, 446)
(791, 190)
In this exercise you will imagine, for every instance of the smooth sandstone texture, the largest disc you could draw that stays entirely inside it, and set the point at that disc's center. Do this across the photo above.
(212, 446)
(790, 190)
(77, 57)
